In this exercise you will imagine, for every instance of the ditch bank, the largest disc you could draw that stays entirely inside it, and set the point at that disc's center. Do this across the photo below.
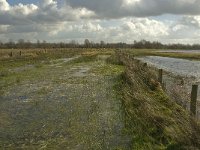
(154, 120)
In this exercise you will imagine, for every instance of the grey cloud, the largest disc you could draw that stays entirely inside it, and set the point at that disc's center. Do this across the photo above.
(103, 8)
(138, 8)
(191, 21)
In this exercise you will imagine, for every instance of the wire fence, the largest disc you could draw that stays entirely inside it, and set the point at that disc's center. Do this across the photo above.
(179, 88)
(182, 89)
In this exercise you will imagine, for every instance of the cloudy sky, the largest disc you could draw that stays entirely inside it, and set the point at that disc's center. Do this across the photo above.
(167, 21)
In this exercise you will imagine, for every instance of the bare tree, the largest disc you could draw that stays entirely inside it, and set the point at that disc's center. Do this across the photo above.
(87, 43)
(73, 43)
(102, 43)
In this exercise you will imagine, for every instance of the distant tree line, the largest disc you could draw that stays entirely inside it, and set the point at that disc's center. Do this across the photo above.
(142, 44)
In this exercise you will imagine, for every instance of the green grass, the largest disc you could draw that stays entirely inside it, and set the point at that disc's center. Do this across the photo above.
(108, 69)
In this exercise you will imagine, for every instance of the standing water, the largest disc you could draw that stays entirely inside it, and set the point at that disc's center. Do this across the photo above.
(181, 51)
(183, 67)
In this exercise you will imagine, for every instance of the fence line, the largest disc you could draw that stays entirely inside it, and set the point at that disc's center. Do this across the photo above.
(193, 94)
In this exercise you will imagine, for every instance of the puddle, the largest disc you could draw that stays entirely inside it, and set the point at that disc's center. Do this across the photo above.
(23, 98)
(80, 71)
(23, 68)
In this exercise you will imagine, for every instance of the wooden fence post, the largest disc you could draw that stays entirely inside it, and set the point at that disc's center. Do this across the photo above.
(160, 76)
(145, 65)
(11, 54)
(20, 53)
(138, 61)
(193, 103)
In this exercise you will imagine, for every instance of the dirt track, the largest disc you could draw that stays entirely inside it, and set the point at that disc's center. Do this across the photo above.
(63, 105)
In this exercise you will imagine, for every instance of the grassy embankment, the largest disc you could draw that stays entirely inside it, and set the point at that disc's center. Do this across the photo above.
(152, 118)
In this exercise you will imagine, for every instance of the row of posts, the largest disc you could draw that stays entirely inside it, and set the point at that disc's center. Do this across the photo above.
(20, 53)
(11, 54)
(194, 94)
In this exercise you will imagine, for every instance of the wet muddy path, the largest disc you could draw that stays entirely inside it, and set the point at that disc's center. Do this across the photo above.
(63, 105)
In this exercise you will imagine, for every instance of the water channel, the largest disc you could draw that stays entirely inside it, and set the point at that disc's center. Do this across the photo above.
(189, 70)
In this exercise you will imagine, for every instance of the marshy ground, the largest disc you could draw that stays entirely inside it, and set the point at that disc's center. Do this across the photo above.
(62, 103)
(89, 99)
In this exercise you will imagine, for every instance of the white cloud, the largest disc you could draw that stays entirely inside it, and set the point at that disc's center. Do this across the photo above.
(47, 11)
(21, 9)
(108, 20)
(177, 27)
(4, 6)
(128, 31)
